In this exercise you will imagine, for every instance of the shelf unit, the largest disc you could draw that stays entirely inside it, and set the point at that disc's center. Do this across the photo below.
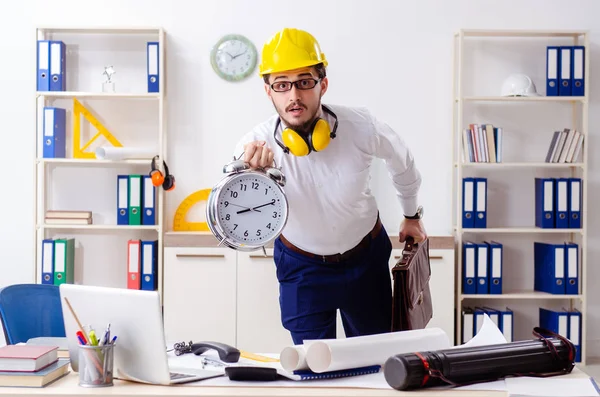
(107, 44)
(462, 168)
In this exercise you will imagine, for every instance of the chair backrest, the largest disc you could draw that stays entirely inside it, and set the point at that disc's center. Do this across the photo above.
(29, 311)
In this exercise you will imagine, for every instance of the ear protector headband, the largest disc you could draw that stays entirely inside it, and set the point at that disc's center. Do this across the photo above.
(167, 181)
(319, 136)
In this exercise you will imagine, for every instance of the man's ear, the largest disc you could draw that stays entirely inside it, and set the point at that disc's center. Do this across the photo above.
(324, 84)
(268, 90)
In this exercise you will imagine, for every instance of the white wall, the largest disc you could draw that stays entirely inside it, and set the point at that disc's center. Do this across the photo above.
(393, 56)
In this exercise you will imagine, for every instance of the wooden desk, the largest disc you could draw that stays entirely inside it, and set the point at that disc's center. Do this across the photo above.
(68, 386)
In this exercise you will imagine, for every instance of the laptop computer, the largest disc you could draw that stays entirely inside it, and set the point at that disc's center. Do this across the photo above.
(135, 318)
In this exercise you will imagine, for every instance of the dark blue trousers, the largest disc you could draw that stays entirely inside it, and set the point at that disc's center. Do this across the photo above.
(310, 292)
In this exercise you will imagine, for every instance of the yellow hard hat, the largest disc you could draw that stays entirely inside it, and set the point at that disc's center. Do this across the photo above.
(290, 49)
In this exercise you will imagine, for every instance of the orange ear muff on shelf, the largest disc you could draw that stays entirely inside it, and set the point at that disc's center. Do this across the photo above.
(166, 180)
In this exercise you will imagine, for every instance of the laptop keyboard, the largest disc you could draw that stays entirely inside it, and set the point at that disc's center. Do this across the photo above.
(177, 375)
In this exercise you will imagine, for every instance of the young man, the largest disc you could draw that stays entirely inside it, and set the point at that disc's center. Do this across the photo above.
(334, 252)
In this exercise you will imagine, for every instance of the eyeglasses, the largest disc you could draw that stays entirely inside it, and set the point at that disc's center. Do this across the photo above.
(304, 84)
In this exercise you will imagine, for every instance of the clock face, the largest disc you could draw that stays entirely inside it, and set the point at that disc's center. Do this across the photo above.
(251, 209)
(234, 57)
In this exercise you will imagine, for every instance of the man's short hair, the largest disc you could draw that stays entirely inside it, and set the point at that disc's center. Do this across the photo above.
(319, 68)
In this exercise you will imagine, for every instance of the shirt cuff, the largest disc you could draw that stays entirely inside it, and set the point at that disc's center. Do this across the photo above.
(409, 205)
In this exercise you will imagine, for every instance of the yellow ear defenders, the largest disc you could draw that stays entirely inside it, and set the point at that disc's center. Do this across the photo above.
(319, 136)
(167, 181)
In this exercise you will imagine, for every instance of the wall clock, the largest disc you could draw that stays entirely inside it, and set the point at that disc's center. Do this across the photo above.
(234, 57)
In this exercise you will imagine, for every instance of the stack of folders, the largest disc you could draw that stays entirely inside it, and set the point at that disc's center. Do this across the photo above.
(482, 144)
(58, 261)
(556, 268)
(136, 200)
(51, 65)
(474, 202)
(558, 203)
(565, 70)
(68, 217)
(565, 147)
(142, 264)
(472, 320)
(54, 133)
(482, 267)
(565, 323)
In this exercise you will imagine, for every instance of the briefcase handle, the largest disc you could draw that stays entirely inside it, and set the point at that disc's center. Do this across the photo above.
(409, 251)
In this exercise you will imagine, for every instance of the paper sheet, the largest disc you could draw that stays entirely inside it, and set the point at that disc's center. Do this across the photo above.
(125, 153)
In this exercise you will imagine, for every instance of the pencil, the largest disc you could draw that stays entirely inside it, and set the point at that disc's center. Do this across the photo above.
(77, 320)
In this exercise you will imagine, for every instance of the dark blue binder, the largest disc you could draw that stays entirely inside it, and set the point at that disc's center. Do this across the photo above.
(574, 332)
(572, 268)
(122, 199)
(480, 203)
(468, 202)
(495, 255)
(469, 267)
(561, 206)
(556, 321)
(152, 66)
(549, 267)
(552, 70)
(148, 201)
(149, 265)
(483, 278)
(564, 70)
(578, 71)
(575, 203)
(544, 203)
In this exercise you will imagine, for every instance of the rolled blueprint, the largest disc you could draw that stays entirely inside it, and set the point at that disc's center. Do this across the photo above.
(293, 358)
(360, 351)
(125, 153)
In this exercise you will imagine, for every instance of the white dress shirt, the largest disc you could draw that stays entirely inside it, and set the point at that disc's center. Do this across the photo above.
(331, 207)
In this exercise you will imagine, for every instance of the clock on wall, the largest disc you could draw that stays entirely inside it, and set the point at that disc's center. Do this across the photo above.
(234, 57)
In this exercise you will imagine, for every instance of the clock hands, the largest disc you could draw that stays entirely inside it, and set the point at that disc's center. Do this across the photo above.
(246, 209)
(272, 202)
(233, 57)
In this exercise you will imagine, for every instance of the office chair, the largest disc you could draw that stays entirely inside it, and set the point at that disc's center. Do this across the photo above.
(29, 311)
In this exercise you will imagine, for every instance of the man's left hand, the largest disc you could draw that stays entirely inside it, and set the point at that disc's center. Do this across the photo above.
(413, 228)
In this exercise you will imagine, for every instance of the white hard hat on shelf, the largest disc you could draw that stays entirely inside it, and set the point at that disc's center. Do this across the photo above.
(518, 85)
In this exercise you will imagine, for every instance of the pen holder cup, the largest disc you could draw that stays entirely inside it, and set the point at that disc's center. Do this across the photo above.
(96, 365)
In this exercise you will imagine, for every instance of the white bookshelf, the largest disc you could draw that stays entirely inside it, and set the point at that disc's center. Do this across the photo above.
(101, 247)
(516, 294)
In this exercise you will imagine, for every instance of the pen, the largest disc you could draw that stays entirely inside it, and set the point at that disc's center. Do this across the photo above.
(113, 340)
(81, 336)
(81, 341)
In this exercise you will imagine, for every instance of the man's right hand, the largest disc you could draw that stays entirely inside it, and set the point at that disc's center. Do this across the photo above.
(257, 155)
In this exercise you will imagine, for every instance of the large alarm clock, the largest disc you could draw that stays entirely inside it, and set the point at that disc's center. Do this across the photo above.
(248, 208)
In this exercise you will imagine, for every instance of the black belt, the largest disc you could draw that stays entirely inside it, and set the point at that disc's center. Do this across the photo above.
(334, 258)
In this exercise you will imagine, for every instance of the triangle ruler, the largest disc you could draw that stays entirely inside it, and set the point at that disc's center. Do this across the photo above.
(180, 223)
(79, 152)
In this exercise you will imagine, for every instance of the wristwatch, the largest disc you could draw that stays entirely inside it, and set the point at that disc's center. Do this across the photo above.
(418, 215)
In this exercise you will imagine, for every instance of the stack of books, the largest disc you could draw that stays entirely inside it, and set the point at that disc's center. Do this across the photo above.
(31, 366)
(565, 147)
(55, 217)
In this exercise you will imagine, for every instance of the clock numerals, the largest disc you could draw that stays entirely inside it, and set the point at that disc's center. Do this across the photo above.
(274, 214)
(269, 226)
(243, 187)
(255, 185)
(227, 217)
(233, 194)
(235, 225)
(258, 232)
